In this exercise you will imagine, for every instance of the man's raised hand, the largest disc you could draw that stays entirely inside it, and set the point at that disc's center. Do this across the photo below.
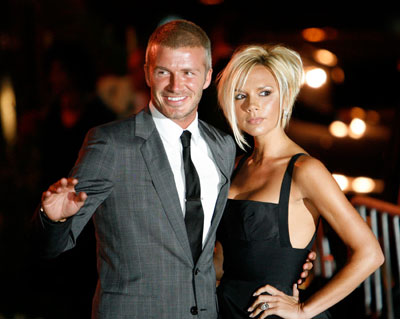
(61, 201)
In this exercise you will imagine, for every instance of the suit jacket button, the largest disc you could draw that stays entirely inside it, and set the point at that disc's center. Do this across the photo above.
(196, 271)
(194, 311)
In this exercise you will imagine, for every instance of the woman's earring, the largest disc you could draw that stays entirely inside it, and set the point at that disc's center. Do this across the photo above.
(286, 113)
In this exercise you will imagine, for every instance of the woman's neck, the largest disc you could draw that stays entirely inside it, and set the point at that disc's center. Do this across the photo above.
(270, 146)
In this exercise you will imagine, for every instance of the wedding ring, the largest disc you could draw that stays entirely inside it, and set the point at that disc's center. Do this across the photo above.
(264, 306)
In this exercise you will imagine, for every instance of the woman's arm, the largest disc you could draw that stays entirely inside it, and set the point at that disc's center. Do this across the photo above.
(318, 186)
(218, 260)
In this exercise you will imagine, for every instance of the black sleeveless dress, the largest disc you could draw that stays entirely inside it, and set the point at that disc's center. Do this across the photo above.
(257, 250)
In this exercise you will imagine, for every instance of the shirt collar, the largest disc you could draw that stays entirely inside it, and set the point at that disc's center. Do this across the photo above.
(171, 131)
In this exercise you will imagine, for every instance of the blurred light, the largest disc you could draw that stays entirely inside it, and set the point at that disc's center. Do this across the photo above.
(337, 75)
(314, 34)
(325, 57)
(342, 181)
(357, 112)
(360, 184)
(373, 117)
(357, 128)
(7, 111)
(363, 184)
(338, 129)
(315, 77)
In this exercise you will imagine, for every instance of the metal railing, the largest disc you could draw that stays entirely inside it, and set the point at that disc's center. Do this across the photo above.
(383, 218)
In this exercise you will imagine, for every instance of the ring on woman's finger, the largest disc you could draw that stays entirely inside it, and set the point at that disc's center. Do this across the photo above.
(264, 306)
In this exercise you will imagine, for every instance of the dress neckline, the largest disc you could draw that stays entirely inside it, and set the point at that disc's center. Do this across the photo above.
(286, 179)
(283, 204)
(253, 201)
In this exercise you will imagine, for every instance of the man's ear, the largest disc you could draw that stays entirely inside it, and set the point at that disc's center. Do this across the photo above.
(146, 74)
(208, 79)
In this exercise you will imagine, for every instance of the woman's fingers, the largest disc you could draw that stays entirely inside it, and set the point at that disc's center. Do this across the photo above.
(267, 289)
(296, 292)
(260, 301)
(271, 301)
(265, 307)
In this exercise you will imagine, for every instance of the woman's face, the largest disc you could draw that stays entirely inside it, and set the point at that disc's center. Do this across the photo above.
(257, 103)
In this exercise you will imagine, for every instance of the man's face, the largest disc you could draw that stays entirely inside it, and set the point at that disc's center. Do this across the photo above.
(177, 78)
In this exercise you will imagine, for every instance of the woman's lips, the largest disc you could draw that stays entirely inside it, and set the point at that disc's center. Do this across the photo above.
(255, 120)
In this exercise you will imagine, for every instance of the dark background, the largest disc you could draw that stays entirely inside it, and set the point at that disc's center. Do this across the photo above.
(55, 52)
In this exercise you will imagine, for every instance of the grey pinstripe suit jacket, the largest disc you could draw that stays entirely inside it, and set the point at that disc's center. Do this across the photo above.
(143, 254)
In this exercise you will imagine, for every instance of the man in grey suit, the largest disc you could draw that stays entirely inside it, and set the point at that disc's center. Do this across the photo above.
(129, 177)
(131, 181)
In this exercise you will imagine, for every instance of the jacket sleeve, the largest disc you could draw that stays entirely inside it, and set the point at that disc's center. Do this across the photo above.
(94, 171)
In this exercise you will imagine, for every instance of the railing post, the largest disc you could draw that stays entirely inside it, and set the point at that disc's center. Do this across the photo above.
(387, 265)
(396, 230)
(367, 283)
(377, 273)
(383, 278)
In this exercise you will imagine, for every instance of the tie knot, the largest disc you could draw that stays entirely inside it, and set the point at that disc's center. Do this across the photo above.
(185, 138)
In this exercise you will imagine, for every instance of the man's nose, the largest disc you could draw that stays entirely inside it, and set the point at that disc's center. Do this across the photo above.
(175, 83)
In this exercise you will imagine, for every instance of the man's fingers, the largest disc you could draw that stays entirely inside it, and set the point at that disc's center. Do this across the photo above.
(72, 181)
(46, 194)
(81, 197)
(62, 185)
(68, 182)
(77, 198)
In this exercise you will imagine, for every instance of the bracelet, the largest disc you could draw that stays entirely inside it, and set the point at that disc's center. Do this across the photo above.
(54, 221)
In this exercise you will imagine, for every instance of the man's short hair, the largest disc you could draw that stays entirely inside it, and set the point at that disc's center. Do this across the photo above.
(178, 34)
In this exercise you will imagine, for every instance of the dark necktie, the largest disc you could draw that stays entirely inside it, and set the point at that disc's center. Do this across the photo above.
(194, 215)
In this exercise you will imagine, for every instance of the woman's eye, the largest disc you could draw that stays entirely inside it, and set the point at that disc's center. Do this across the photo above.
(239, 96)
(265, 93)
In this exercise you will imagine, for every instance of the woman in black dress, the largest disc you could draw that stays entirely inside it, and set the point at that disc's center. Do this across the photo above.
(277, 197)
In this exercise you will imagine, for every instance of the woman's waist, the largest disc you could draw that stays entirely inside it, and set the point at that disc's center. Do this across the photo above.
(248, 287)
(253, 263)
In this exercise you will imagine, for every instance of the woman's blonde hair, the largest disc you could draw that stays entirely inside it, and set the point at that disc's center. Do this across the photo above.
(284, 64)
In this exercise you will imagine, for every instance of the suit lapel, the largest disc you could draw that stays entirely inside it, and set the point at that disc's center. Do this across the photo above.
(223, 167)
(163, 179)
